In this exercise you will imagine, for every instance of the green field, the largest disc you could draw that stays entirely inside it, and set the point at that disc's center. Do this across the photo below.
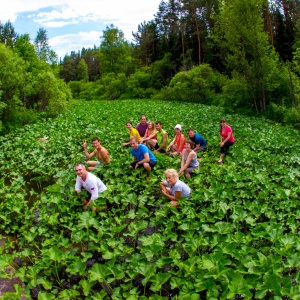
(236, 238)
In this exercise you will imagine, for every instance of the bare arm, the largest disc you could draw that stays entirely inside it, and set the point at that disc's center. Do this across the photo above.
(87, 154)
(197, 147)
(187, 163)
(226, 139)
(105, 156)
(146, 159)
(171, 144)
(166, 192)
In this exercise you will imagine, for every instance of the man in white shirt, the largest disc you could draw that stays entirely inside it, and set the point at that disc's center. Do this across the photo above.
(90, 182)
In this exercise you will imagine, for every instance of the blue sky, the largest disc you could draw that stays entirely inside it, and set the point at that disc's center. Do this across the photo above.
(73, 24)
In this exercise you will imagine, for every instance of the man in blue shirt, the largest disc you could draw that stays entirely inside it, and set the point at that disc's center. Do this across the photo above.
(198, 139)
(143, 157)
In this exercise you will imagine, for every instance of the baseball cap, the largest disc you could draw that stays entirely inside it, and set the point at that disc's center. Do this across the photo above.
(178, 126)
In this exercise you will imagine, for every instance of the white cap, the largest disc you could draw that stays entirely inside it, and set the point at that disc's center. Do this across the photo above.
(178, 126)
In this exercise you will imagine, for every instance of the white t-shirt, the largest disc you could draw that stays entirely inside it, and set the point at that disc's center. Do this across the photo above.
(92, 184)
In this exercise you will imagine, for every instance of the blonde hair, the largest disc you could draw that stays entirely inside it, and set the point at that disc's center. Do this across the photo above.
(153, 129)
(173, 172)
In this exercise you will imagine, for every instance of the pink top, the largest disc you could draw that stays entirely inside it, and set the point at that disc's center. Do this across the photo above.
(224, 133)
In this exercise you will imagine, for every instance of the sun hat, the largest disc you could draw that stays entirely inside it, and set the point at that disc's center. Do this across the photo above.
(178, 126)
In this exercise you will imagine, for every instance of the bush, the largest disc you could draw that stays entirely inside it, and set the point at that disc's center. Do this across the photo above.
(197, 85)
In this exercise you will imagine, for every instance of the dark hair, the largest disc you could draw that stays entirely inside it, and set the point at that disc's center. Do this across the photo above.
(129, 122)
(191, 143)
(222, 121)
(95, 139)
(158, 122)
(190, 129)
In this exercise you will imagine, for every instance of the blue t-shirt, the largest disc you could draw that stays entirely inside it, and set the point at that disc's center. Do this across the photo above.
(179, 186)
(141, 151)
(199, 139)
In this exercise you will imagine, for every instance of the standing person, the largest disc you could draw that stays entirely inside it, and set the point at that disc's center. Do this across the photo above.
(162, 138)
(90, 182)
(142, 126)
(100, 152)
(177, 144)
(143, 157)
(198, 139)
(226, 139)
(189, 160)
(150, 139)
(173, 188)
(132, 132)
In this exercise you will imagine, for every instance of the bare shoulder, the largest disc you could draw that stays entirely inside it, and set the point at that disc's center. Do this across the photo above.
(103, 150)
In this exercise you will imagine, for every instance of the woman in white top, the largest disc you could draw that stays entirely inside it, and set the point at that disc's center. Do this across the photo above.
(189, 160)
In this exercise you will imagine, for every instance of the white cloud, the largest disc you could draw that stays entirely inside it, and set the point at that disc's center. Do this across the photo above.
(74, 42)
(125, 14)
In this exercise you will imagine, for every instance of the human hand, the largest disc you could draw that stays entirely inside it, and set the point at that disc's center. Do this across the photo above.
(84, 207)
(84, 144)
(136, 165)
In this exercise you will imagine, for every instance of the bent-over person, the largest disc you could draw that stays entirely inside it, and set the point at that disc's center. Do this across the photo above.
(91, 183)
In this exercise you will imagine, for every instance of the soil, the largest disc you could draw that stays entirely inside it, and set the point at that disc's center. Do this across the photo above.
(7, 284)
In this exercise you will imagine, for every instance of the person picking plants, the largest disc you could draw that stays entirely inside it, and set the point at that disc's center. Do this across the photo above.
(100, 152)
(91, 183)
(132, 132)
(189, 160)
(143, 157)
(226, 139)
(177, 143)
(198, 139)
(173, 188)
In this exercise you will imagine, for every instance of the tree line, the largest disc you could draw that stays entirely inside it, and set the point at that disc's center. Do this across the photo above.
(240, 54)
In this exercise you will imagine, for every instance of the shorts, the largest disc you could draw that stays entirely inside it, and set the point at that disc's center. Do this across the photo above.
(151, 164)
(202, 148)
(161, 150)
(190, 170)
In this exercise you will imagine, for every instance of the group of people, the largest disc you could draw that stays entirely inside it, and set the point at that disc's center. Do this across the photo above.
(146, 139)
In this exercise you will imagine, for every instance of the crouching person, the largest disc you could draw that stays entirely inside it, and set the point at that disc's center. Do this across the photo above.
(91, 183)
(143, 157)
(173, 188)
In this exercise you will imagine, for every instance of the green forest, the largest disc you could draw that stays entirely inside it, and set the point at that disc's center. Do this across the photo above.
(243, 55)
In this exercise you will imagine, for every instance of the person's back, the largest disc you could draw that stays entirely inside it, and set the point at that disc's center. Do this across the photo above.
(198, 139)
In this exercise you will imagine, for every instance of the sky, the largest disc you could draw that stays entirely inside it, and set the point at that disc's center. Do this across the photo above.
(74, 24)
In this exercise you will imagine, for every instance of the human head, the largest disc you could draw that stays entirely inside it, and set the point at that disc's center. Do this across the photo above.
(178, 126)
(129, 125)
(171, 176)
(223, 121)
(80, 169)
(188, 144)
(151, 125)
(158, 126)
(96, 142)
(191, 132)
(133, 142)
(143, 120)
